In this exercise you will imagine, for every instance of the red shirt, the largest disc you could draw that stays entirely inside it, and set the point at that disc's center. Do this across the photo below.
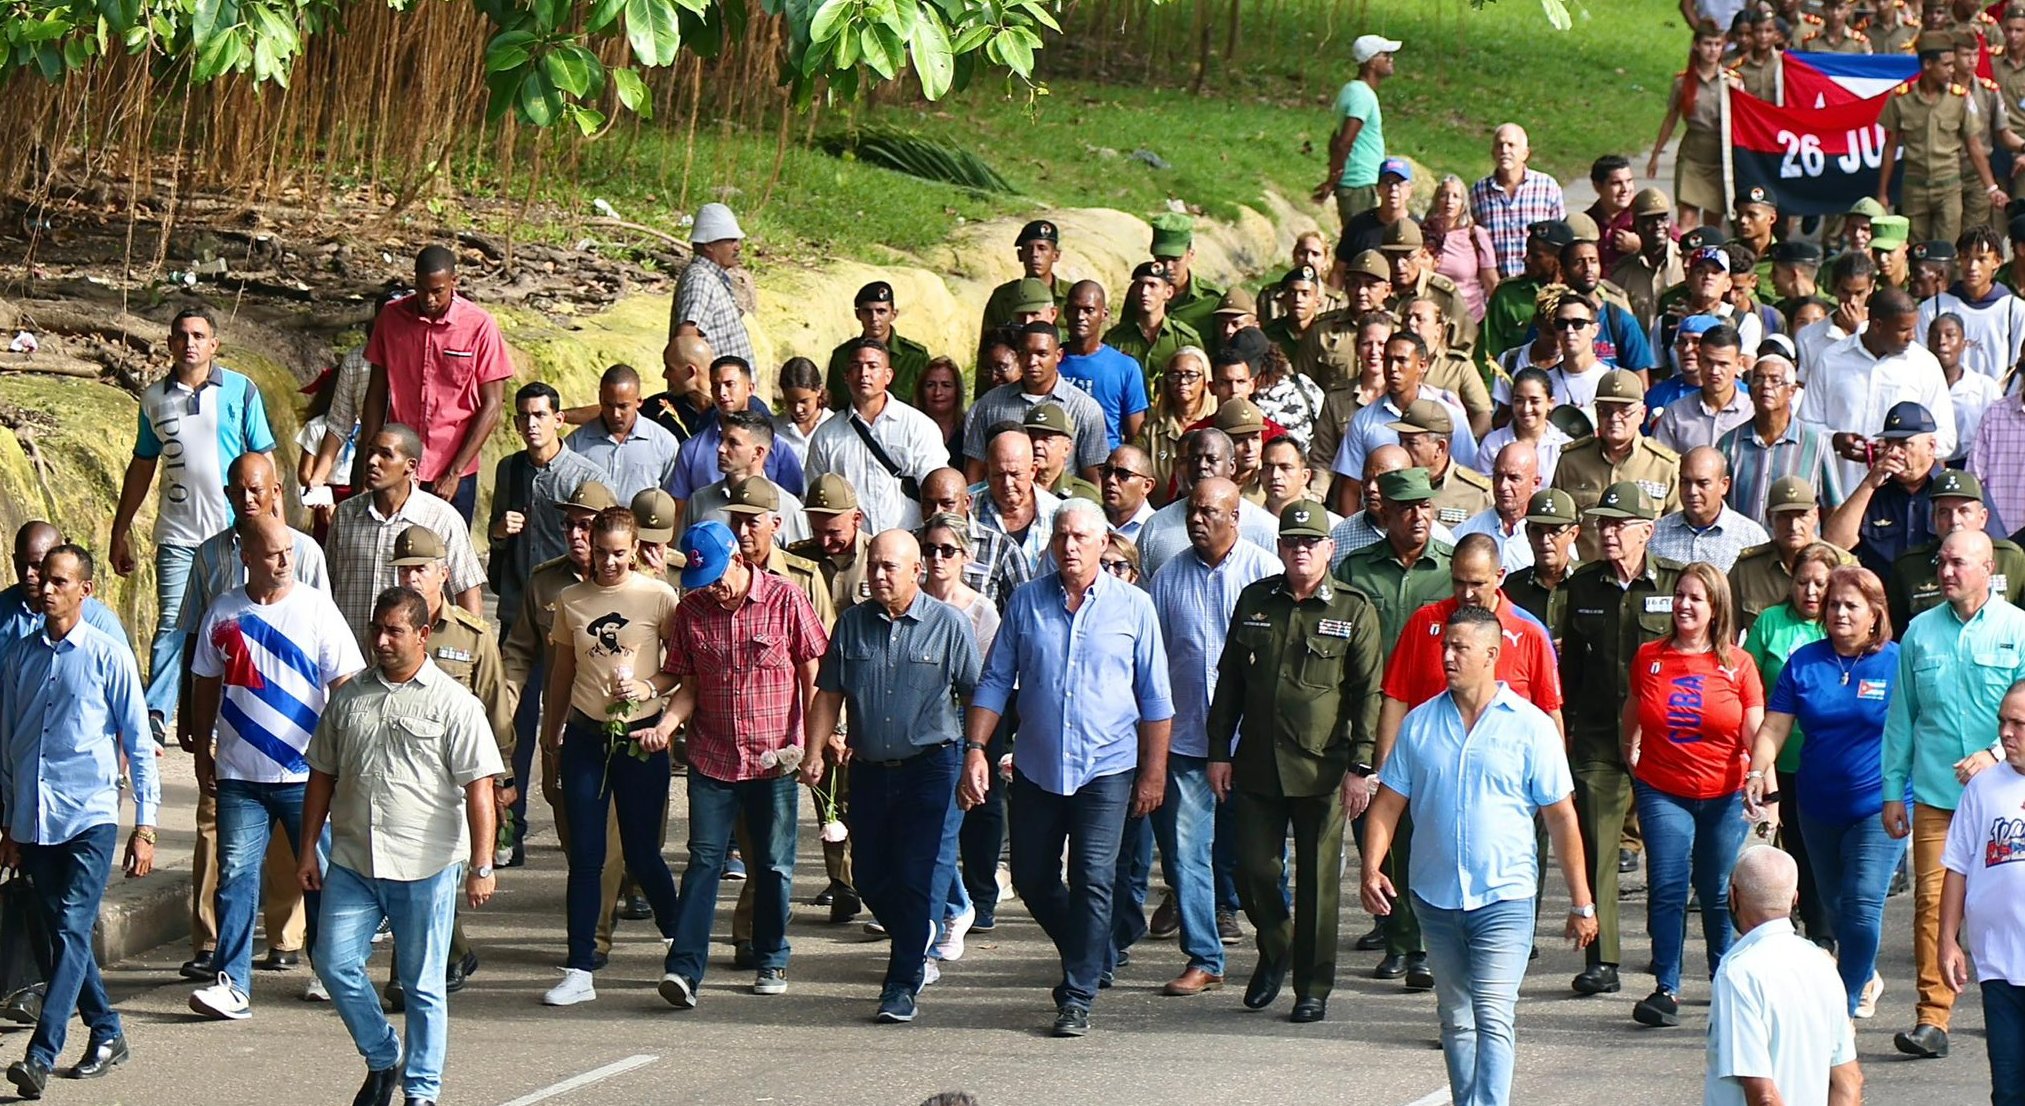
(1526, 664)
(743, 664)
(1691, 708)
(434, 370)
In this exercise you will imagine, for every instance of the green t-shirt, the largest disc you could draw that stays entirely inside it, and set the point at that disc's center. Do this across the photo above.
(1773, 638)
(1360, 101)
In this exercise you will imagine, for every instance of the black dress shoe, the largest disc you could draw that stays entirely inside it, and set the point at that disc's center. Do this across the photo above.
(1928, 1042)
(1070, 1021)
(826, 896)
(844, 906)
(279, 960)
(24, 1007)
(396, 996)
(199, 969)
(1419, 977)
(743, 959)
(1392, 967)
(1374, 940)
(457, 974)
(1627, 861)
(379, 1087)
(1309, 1010)
(101, 1057)
(1267, 979)
(29, 1077)
(634, 908)
(1597, 979)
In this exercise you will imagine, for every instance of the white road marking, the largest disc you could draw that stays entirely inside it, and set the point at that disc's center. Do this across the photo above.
(595, 1075)
(1432, 1098)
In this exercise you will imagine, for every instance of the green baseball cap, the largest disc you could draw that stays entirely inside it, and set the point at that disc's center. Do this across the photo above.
(1551, 507)
(1032, 295)
(1789, 493)
(1624, 499)
(1239, 416)
(830, 494)
(1869, 208)
(1304, 518)
(1956, 484)
(1888, 232)
(1405, 486)
(1173, 234)
(1424, 416)
(1619, 386)
(1371, 264)
(654, 512)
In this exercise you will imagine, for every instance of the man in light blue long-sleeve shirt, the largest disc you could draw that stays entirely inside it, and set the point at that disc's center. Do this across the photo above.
(1955, 663)
(71, 702)
(1074, 641)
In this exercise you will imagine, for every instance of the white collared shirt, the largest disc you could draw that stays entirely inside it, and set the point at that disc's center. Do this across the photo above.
(1777, 1011)
(1850, 390)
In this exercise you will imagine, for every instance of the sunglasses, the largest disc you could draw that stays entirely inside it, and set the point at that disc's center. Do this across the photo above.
(1120, 472)
(1301, 541)
(1573, 324)
(944, 552)
(1116, 567)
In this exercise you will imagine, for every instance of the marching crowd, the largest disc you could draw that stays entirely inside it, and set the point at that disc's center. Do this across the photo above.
(1491, 535)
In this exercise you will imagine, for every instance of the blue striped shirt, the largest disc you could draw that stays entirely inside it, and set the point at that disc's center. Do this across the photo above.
(1194, 601)
(1799, 451)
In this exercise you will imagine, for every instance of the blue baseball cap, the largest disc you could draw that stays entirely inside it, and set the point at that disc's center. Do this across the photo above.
(1907, 419)
(1694, 326)
(1397, 166)
(709, 546)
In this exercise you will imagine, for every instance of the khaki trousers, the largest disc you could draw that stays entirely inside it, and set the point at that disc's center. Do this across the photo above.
(1929, 837)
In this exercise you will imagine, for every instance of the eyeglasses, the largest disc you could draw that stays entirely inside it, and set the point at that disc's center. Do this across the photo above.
(1120, 472)
(1770, 384)
(944, 552)
(1618, 412)
(1573, 324)
(1116, 566)
(1185, 376)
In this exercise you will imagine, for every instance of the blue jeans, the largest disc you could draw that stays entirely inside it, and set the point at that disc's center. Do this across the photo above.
(1128, 887)
(1075, 916)
(1185, 825)
(420, 913)
(2004, 1024)
(69, 879)
(595, 783)
(900, 828)
(1479, 958)
(1852, 864)
(1687, 840)
(769, 808)
(247, 812)
(955, 897)
(165, 654)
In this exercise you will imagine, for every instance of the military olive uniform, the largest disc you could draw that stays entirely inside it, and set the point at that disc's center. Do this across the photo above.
(1852, 42)
(1890, 31)
(1195, 305)
(1988, 98)
(1602, 626)
(1933, 136)
(1072, 485)
(909, 359)
(1759, 78)
(1271, 309)
(1457, 325)
(1539, 600)
(1585, 474)
(2010, 76)
(1461, 493)
(1643, 282)
(1281, 331)
(1298, 682)
(1507, 317)
(1327, 354)
(1915, 583)
(845, 576)
(1760, 581)
(808, 576)
(1326, 436)
(1152, 354)
(1456, 374)
(1398, 590)
(998, 310)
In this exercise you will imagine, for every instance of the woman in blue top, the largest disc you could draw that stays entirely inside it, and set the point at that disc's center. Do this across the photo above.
(1838, 690)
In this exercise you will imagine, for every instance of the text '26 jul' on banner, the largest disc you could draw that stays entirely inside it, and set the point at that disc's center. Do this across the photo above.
(1821, 151)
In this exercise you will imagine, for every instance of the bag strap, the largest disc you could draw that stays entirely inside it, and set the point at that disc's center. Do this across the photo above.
(879, 453)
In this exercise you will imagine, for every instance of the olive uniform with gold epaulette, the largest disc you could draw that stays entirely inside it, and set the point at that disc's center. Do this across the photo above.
(1327, 354)
(844, 574)
(1761, 580)
(1461, 494)
(807, 576)
(1458, 326)
(1758, 78)
(1988, 97)
(1455, 373)
(1585, 473)
(1851, 41)
(1933, 136)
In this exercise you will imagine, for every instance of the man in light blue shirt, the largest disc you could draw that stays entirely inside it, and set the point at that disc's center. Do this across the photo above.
(71, 702)
(696, 461)
(1371, 427)
(21, 604)
(1482, 760)
(633, 453)
(1084, 648)
(1955, 663)
(1194, 595)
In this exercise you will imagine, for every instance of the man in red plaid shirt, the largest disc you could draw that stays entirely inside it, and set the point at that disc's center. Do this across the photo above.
(746, 644)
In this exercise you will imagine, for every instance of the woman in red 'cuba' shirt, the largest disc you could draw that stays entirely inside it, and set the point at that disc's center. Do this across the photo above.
(1696, 701)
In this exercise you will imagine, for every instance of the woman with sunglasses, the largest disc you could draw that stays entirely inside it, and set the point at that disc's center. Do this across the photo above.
(1184, 400)
(1120, 558)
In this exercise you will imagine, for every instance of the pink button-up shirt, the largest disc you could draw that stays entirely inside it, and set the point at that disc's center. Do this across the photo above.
(435, 368)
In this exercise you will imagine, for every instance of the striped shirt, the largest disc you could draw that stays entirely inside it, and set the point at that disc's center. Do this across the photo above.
(1799, 450)
(275, 661)
(703, 296)
(1507, 214)
(1677, 539)
(361, 550)
(1194, 601)
(1998, 456)
(1011, 402)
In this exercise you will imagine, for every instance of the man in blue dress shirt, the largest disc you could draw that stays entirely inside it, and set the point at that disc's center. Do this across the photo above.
(21, 604)
(71, 701)
(1074, 641)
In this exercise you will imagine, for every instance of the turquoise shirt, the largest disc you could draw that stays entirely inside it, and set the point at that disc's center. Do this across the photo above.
(1358, 100)
(1772, 639)
(1951, 677)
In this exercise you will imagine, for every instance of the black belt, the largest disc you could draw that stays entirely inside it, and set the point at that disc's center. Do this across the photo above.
(579, 718)
(916, 755)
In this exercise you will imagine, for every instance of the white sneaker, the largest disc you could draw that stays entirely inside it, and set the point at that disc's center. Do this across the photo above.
(1866, 1003)
(951, 945)
(679, 992)
(222, 1001)
(930, 971)
(313, 991)
(575, 987)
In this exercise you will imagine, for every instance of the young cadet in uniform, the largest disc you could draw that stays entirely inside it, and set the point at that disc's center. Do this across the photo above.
(876, 314)
(1834, 35)
(1150, 333)
(1957, 504)
(1300, 294)
(1413, 277)
(1329, 351)
(1550, 530)
(1617, 452)
(1613, 606)
(1039, 246)
(1796, 268)
(1762, 578)
(1937, 124)
(1195, 299)
(1756, 69)
(1460, 492)
(1297, 693)
(1995, 134)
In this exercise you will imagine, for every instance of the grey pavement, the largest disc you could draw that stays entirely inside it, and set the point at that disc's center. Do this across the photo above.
(982, 1028)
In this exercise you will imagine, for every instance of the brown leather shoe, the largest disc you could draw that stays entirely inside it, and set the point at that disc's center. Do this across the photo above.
(1194, 981)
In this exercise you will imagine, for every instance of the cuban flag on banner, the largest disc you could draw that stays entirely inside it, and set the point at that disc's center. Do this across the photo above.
(1814, 161)
(1817, 80)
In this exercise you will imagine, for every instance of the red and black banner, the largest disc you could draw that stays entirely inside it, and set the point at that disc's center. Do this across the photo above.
(1816, 160)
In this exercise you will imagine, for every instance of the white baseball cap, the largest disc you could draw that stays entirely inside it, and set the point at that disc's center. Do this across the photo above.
(1370, 46)
(714, 223)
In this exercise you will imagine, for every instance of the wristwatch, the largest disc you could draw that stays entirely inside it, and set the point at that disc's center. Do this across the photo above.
(483, 871)
(1583, 911)
(973, 747)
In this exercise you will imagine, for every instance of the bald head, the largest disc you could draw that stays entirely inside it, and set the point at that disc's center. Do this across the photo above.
(1384, 459)
(893, 569)
(252, 487)
(1765, 884)
(267, 548)
(1212, 517)
(1214, 491)
(35, 539)
(944, 491)
(694, 352)
(1704, 461)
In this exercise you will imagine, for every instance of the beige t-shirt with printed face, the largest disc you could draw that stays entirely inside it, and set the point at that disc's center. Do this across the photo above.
(613, 631)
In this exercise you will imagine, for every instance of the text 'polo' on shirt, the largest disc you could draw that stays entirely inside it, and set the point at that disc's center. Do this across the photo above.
(193, 436)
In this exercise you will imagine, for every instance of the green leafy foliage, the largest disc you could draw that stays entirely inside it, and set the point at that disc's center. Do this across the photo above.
(918, 156)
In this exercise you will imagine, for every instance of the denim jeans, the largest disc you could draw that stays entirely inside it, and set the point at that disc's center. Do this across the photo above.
(1687, 840)
(769, 808)
(1479, 958)
(247, 812)
(595, 783)
(69, 879)
(1128, 888)
(2004, 1024)
(165, 654)
(1852, 863)
(1185, 826)
(1076, 916)
(954, 898)
(419, 912)
(900, 826)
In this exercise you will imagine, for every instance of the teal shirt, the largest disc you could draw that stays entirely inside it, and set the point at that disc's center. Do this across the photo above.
(1951, 677)
(1773, 638)
(1358, 100)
